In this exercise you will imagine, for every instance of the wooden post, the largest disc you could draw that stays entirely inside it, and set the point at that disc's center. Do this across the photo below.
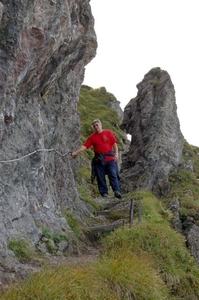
(139, 211)
(131, 212)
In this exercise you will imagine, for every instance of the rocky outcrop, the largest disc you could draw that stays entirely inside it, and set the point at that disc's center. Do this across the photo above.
(44, 47)
(156, 140)
(192, 239)
(115, 104)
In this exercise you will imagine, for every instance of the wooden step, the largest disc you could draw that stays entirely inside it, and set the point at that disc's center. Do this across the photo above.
(105, 227)
(109, 205)
(109, 211)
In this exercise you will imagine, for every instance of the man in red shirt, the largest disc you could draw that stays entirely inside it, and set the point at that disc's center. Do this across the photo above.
(105, 160)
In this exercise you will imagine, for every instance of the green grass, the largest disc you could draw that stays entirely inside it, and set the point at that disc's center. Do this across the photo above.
(72, 221)
(86, 189)
(56, 236)
(147, 261)
(185, 184)
(21, 249)
(53, 239)
(164, 248)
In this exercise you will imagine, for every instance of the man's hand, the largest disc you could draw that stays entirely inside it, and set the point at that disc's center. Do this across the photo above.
(80, 149)
(73, 154)
(116, 157)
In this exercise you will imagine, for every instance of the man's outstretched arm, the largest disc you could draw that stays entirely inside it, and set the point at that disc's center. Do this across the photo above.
(80, 149)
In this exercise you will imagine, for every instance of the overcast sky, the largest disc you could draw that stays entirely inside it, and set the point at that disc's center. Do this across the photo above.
(135, 36)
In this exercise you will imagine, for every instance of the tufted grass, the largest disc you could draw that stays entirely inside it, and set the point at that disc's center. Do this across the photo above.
(107, 278)
(21, 249)
(185, 184)
(147, 261)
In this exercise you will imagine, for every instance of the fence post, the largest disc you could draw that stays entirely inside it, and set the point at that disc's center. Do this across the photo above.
(131, 212)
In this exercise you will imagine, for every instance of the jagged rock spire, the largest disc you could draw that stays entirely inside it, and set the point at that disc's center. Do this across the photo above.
(156, 139)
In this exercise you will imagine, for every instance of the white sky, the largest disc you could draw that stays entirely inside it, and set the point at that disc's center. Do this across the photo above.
(135, 36)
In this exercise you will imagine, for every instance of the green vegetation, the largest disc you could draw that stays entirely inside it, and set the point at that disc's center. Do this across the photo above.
(148, 261)
(21, 249)
(185, 184)
(52, 239)
(72, 222)
(56, 236)
(86, 189)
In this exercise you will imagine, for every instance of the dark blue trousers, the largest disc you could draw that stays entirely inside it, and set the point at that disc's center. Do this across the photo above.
(111, 169)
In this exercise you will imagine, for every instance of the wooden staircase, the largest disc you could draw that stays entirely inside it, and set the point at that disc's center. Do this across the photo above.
(112, 213)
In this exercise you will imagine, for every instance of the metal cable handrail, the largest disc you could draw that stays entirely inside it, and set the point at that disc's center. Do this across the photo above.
(31, 153)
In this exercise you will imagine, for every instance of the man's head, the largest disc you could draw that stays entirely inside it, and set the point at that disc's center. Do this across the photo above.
(97, 125)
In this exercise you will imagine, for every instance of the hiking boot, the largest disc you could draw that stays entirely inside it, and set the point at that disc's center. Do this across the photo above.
(117, 194)
(105, 195)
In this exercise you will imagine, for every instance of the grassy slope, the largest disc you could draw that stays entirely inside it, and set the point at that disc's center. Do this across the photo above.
(185, 184)
(148, 261)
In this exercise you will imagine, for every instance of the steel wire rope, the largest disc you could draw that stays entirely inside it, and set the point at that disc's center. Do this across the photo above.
(31, 153)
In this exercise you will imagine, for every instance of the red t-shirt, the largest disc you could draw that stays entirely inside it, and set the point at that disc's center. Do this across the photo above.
(101, 142)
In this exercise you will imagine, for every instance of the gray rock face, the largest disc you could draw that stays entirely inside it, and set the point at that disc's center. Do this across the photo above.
(115, 104)
(156, 144)
(44, 47)
(192, 241)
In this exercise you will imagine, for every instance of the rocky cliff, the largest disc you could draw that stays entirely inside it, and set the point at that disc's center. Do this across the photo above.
(44, 47)
(156, 139)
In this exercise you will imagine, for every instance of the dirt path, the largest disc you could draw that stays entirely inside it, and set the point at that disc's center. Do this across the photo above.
(93, 254)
